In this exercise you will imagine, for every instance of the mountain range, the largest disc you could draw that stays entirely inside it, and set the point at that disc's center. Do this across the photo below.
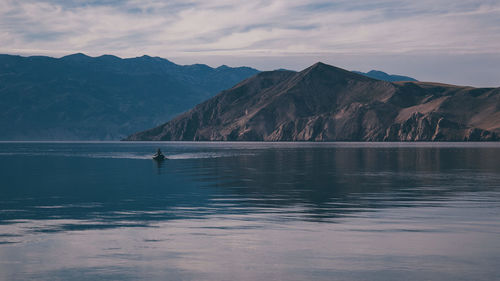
(326, 103)
(78, 97)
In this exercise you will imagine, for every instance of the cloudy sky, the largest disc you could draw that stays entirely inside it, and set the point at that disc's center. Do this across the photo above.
(452, 41)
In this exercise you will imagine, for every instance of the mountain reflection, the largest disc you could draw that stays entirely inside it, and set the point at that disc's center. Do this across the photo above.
(321, 182)
(327, 180)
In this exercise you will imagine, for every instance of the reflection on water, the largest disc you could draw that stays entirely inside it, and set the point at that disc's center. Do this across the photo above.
(249, 211)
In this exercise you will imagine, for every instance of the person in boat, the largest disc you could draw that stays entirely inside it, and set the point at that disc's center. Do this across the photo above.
(159, 155)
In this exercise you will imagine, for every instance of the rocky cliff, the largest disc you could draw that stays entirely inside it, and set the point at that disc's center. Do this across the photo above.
(326, 103)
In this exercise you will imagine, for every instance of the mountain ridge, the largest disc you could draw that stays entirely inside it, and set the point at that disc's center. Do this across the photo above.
(380, 75)
(326, 103)
(78, 97)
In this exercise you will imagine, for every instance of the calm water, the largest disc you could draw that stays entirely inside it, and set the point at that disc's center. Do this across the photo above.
(249, 211)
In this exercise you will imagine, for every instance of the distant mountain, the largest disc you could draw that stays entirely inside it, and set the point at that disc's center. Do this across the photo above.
(100, 98)
(380, 75)
(326, 103)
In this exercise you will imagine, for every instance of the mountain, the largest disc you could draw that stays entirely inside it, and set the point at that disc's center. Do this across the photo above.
(380, 75)
(100, 98)
(326, 103)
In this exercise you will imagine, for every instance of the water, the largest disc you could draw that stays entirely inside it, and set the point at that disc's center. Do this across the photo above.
(250, 211)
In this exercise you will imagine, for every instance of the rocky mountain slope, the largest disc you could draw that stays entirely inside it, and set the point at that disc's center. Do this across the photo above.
(325, 103)
(98, 98)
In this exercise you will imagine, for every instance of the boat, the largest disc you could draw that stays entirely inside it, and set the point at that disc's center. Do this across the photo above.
(159, 156)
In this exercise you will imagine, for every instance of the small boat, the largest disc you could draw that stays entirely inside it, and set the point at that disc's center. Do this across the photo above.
(159, 156)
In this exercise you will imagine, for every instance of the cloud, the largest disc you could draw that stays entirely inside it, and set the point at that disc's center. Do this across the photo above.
(228, 28)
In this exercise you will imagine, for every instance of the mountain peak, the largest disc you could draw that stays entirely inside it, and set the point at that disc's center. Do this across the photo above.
(76, 57)
(321, 67)
(324, 66)
(222, 67)
(319, 64)
(377, 72)
(109, 58)
(329, 72)
(380, 75)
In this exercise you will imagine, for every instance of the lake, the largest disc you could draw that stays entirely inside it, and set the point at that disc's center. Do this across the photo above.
(249, 211)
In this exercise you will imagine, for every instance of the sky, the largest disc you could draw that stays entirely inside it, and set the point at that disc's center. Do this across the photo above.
(449, 41)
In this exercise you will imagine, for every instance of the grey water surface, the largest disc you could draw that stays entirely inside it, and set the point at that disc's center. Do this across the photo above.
(249, 211)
